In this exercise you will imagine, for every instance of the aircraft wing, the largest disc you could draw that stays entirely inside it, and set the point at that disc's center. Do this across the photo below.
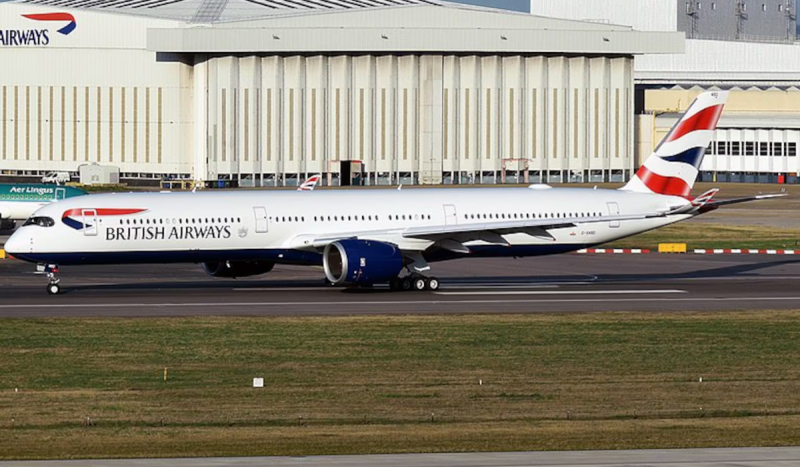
(318, 242)
(534, 227)
(451, 236)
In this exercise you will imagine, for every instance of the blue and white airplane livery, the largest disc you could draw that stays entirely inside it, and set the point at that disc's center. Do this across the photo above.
(376, 236)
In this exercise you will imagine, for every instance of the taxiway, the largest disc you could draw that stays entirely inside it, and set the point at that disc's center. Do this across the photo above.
(730, 457)
(565, 283)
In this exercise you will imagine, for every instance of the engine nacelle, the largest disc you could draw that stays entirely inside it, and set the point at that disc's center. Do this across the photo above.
(361, 262)
(7, 224)
(234, 269)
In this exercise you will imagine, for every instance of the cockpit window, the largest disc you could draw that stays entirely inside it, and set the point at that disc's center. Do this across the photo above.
(40, 221)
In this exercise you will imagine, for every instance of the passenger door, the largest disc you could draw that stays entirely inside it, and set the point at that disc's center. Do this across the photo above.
(613, 209)
(89, 222)
(450, 216)
(262, 223)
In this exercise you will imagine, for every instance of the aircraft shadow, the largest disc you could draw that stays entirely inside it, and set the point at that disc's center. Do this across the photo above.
(737, 270)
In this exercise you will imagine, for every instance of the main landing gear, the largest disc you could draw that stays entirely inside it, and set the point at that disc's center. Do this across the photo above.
(414, 282)
(51, 270)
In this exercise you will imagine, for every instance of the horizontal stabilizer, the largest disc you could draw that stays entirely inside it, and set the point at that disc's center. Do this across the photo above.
(712, 205)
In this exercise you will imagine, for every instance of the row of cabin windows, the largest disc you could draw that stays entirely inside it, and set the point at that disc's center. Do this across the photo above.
(363, 217)
(408, 217)
(187, 221)
(22, 197)
(528, 215)
(395, 217)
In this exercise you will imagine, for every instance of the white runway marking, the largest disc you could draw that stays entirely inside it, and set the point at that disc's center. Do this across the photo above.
(386, 287)
(564, 292)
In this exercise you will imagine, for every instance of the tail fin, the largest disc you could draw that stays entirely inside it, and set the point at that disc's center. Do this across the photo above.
(673, 167)
(309, 184)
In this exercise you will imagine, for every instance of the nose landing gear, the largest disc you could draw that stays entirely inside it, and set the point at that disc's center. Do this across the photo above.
(51, 270)
(53, 288)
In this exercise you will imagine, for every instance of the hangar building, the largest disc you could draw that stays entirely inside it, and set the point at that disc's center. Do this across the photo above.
(748, 47)
(266, 92)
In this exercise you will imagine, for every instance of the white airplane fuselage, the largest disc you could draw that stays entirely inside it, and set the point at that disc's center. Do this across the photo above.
(281, 226)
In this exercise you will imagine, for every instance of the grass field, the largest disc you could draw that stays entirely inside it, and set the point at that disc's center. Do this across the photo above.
(397, 384)
(697, 235)
(769, 224)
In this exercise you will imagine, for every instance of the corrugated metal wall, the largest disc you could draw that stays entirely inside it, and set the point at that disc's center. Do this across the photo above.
(96, 95)
(426, 119)
(62, 127)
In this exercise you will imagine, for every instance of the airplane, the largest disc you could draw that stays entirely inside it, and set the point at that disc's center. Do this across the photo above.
(310, 183)
(19, 201)
(373, 237)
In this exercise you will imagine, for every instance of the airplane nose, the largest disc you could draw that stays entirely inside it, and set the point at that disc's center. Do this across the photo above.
(16, 243)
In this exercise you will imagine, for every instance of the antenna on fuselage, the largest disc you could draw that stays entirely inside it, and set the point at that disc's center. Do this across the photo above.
(399, 187)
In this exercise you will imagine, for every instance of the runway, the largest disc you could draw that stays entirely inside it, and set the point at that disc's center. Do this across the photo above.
(564, 283)
(729, 457)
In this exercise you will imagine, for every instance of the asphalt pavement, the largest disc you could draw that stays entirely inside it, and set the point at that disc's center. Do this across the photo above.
(564, 283)
(729, 457)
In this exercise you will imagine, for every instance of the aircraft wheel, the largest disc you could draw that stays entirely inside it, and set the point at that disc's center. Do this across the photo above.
(53, 289)
(419, 284)
(406, 284)
(433, 283)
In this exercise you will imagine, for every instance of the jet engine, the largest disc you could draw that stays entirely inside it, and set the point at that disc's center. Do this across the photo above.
(361, 262)
(5, 212)
(7, 224)
(234, 269)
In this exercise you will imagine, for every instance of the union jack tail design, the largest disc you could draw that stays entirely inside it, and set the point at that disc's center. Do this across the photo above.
(309, 184)
(673, 167)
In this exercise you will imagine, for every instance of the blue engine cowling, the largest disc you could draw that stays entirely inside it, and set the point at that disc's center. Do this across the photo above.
(361, 262)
